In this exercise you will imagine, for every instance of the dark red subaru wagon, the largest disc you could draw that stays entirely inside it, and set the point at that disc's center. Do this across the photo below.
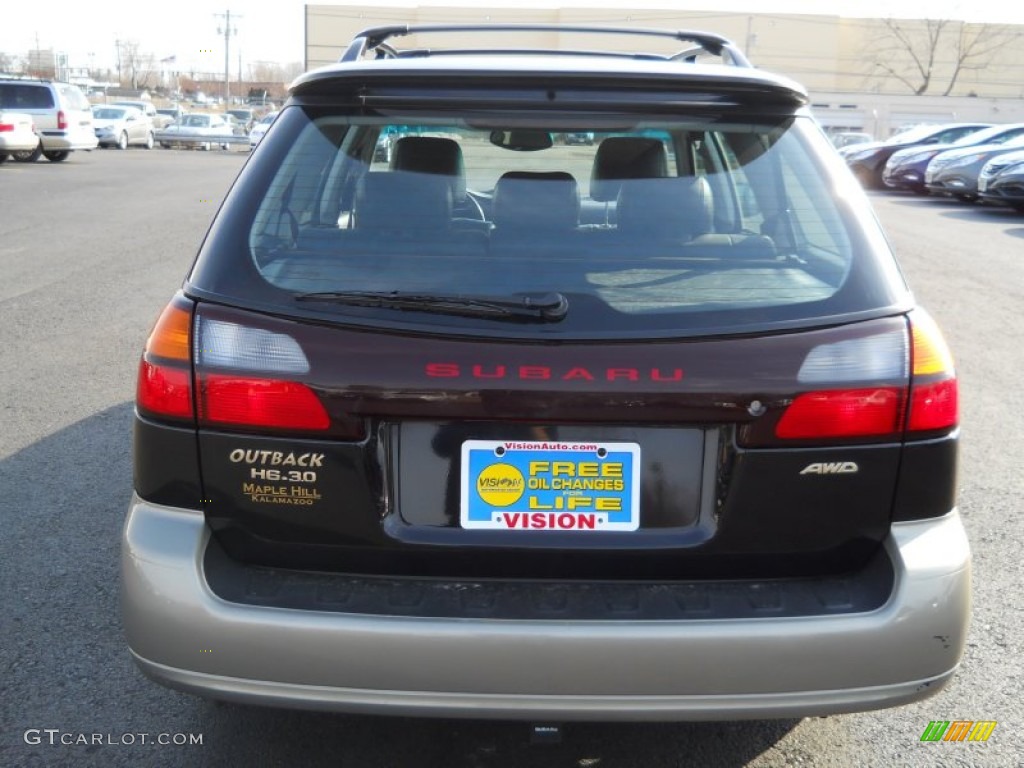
(498, 424)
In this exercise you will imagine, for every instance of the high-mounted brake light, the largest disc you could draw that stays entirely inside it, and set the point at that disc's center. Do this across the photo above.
(164, 385)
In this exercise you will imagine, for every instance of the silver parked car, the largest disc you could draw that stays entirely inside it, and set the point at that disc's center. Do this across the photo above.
(1001, 180)
(196, 130)
(956, 171)
(122, 127)
(260, 129)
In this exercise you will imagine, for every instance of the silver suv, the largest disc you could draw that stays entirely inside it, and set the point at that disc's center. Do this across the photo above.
(62, 114)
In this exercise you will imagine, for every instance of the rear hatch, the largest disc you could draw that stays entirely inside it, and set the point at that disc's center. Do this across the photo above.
(682, 352)
(467, 458)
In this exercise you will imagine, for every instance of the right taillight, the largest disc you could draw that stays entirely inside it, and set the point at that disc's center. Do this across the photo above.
(885, 387)
(934, 401)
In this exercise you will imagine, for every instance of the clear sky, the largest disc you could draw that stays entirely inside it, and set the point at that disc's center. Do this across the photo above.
(272, 30)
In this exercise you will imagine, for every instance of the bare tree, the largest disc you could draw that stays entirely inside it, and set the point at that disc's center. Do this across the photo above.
(8, 63)
(274, 72)
(133, 65)
(977, 46)
(922, 54)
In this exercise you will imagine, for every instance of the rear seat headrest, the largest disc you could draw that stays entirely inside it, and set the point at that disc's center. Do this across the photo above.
(525, 200)
(670, 208)
(625, 157)
(400, 201)
(433, 155)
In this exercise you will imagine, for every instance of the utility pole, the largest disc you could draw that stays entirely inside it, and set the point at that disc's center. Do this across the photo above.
(228, 31)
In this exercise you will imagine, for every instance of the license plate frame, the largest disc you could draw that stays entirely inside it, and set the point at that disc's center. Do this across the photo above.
(550, 486)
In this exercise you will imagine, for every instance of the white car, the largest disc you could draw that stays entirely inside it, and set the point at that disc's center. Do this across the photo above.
(196, 130)
(62, 114)
(261, 128)
(17, 133)
(121, 127)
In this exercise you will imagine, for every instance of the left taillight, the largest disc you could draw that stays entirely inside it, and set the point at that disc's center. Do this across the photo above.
(164, 388)
(250, 378)
(62, 121)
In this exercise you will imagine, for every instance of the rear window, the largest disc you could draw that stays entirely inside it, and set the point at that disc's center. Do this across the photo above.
(656, 227)
(15, 96)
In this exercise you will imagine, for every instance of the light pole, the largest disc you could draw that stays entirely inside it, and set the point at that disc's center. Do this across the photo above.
(228, 31)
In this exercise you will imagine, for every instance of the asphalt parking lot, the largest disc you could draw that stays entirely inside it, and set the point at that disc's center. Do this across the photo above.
(92, 248)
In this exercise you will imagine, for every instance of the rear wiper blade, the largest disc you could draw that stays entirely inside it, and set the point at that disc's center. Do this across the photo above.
(549, 307)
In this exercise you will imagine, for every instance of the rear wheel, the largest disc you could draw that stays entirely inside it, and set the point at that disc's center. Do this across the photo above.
(29, 155)
(57, 157)
(122, 141)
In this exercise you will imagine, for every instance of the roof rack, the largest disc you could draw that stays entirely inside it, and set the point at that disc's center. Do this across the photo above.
(26, 78)
(375, 39)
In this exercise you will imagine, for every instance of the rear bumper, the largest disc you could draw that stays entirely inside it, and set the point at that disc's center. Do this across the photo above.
(904, 179)
(183, 635)
(59, 141)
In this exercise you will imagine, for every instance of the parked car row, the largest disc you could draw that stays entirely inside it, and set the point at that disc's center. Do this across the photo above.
(43, 118)
(968, 161)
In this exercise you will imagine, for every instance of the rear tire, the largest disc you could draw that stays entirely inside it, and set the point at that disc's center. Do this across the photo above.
(57, 157)
(29, 155)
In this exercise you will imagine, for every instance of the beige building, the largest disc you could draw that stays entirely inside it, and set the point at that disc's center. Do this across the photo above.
(842, 61)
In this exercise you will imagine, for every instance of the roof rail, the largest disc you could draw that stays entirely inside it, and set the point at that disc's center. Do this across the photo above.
(27, 78)
(375, 39)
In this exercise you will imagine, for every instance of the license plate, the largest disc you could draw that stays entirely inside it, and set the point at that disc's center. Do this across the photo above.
(550, 486)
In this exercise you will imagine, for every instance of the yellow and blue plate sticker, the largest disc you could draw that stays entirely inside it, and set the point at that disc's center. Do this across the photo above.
(550, 485)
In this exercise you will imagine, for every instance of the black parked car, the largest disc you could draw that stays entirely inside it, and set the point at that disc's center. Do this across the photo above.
(493, 428)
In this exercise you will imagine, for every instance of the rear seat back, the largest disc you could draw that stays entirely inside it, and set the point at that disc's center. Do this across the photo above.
(526, 202)
(678, 208)
(403, 204)
(625, 157)
(432, 155)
